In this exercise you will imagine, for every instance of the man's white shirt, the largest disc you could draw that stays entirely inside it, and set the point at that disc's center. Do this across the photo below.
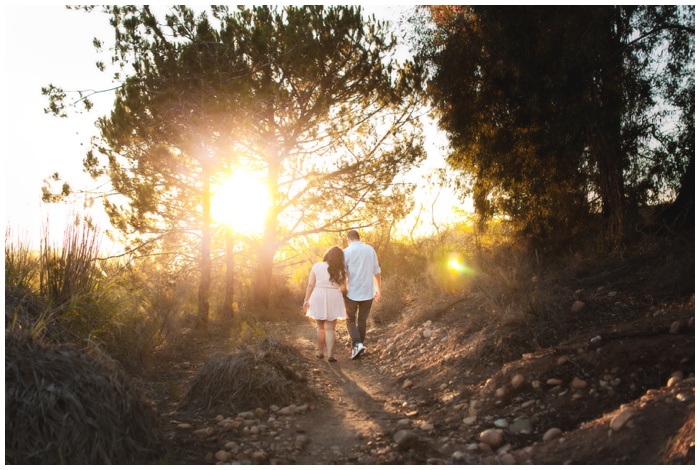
(361, 264)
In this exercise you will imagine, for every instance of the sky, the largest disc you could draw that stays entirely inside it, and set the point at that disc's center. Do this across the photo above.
(43, 44)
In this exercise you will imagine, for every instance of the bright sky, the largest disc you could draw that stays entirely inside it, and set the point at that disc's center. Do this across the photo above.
(45, 44)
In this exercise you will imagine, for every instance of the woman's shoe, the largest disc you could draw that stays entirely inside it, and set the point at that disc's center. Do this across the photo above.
(319, 355)
(332, 359)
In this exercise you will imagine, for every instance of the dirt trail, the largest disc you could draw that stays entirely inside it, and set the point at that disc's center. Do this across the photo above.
(357, 404)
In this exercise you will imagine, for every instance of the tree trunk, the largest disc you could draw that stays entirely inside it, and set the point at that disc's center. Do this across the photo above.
(229, 287)
(268, 245)
(205, 263)
(605, 140)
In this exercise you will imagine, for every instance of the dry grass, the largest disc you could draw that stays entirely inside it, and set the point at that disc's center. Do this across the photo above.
(260, 375)
(63, 406)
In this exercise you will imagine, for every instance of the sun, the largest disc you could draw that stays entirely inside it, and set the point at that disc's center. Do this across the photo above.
(241, 202)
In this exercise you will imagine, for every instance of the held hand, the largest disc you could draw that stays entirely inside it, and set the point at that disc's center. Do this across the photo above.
(378, 295)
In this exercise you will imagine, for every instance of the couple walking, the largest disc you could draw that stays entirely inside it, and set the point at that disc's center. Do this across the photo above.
(343, 285)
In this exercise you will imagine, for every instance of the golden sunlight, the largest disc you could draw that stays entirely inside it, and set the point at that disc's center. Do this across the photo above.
(241, 202)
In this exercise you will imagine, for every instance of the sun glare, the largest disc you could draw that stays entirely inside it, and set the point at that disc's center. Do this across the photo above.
(241, 202)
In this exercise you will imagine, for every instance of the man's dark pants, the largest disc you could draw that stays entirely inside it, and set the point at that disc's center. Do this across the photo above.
(358, 313)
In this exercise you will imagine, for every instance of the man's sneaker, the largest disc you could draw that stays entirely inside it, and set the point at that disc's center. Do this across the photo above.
(357, 350)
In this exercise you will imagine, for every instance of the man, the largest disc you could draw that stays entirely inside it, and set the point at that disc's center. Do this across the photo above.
(364, 285)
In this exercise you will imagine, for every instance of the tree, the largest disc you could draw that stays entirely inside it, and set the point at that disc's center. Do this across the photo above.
(546, 106)
(334, 121)
(306, 95)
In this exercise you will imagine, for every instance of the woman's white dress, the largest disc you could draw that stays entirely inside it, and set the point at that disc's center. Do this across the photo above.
(326, 301)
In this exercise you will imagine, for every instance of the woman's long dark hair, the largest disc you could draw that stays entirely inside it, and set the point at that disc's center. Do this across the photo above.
(336, 265)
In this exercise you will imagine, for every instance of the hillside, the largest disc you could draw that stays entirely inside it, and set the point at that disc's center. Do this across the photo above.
(443, 385)
(588, 361)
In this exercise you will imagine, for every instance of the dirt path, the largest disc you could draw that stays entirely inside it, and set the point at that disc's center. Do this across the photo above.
(358, 408)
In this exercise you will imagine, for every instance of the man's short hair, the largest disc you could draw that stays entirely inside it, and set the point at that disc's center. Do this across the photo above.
(353, 235)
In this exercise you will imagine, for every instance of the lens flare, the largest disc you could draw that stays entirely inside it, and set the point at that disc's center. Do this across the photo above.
(455, 264)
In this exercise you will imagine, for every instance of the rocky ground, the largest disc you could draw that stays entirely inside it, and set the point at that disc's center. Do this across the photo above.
(606, 375)
(622, 392)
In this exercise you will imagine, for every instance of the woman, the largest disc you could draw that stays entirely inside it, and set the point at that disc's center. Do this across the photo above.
(324, 300)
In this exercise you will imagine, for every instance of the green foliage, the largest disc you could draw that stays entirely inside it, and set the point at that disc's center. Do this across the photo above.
(308, 95)
(555, 113)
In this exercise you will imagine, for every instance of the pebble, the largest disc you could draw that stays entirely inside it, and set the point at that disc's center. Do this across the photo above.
(184, 426)
(205, 432)
(288, 411)
(501, 423)
(407, 384)
(577, 306)
(562, 360)
(621, 419)
(521, 426)
(470, 420)
(427, 427)
(405, 439)
(554, 381)
(578, 384)
(223, 456)
(675, 328)
(551, 434)
(492, 437)
(517, 381)
(507, 459)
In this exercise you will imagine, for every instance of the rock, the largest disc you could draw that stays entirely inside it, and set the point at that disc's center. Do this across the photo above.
(407, 384)
(528, 404)
(521, 426)
(184, 426)
(492, 437)
(554, 381)
(403, 422)
(577, 306)
(621, 419)
(536, 384)
(501, 423)
(259, 457)
(222, 456)
(227, 424)
(405, 439)
(470, 420)
(259, 412)
(507, 459)
(205, 432)
(427, 427)
(673, 381)
(517, 381)
(427, 333)
(232, 446)
(288, 411)
(675, 328)
(500, 392)
(562, 360)
(578, 384)
(551, 434)
(612, 293)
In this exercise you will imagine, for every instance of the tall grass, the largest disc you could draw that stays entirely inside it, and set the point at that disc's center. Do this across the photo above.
(64, 293)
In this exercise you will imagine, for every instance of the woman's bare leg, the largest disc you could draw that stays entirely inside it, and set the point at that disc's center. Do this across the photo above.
(329, 328)
(320, 335)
